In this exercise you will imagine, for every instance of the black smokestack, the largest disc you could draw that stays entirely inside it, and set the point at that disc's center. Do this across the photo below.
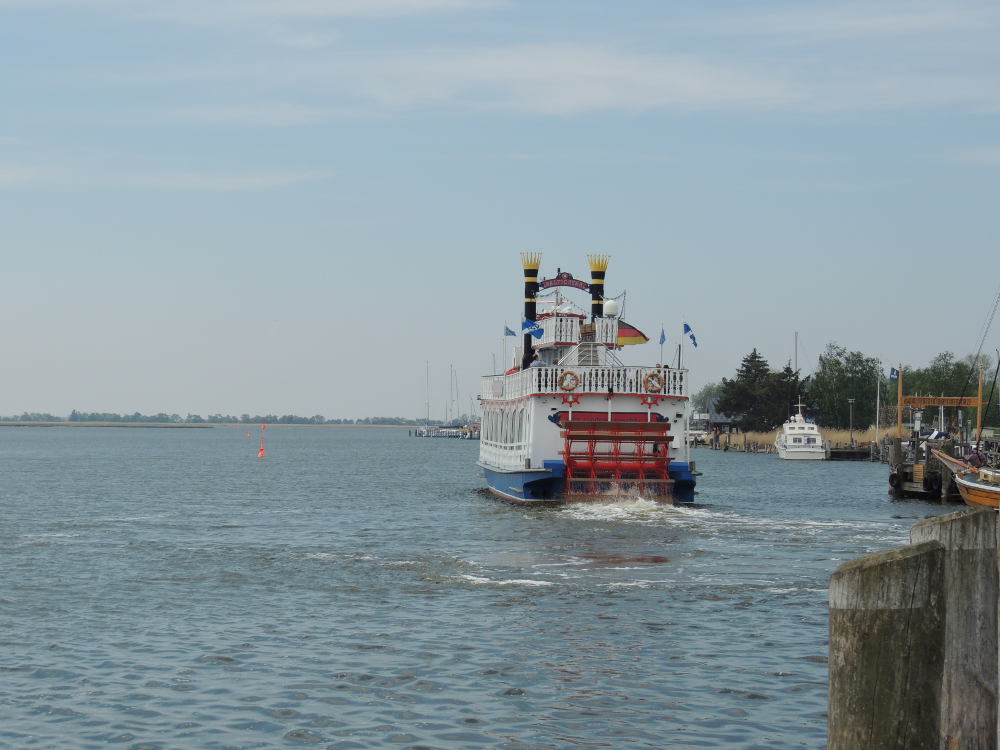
(530, 262)
(598, 265)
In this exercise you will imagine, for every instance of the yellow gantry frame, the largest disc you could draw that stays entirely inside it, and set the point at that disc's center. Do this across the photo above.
(921, 401)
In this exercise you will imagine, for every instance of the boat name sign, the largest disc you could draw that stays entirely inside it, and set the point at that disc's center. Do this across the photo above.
(564, 279)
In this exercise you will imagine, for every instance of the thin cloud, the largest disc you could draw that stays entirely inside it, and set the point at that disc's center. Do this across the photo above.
(258, 114)
(566, 79)
(989, 156)
(17, 176)
(79, 177)
(227, 13)
(561, 80)
(226, 183)
(858, 20)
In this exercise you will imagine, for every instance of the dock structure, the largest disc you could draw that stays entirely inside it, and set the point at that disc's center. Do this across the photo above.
(914, 641)
(850, 453)
(916, 473)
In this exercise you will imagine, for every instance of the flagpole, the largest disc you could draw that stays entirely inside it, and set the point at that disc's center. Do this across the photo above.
(662, 339)
(899, 401)
(680, 350)
(878, 389)
(503, 362)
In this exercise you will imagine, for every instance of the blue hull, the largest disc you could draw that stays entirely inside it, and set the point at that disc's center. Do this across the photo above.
(528, 485)
(684, 481)
(546, 485)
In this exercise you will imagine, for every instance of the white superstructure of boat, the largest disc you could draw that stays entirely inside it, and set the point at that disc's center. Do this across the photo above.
(800, 439)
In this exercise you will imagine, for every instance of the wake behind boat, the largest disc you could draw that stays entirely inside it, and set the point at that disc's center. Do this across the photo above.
(570, 421)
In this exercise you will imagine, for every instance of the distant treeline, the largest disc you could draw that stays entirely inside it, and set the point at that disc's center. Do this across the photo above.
(161, 418)
(841, 391)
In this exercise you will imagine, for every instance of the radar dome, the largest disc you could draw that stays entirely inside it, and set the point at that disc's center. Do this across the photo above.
(611, 308)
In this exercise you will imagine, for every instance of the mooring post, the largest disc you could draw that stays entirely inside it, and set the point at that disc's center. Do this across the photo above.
(895, 452)
(969, 687)
(887, 629)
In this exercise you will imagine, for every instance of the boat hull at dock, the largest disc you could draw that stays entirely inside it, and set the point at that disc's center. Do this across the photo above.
(805, 454)
(976, 493)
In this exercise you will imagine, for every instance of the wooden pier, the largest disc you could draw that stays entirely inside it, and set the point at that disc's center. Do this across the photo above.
(851, 453)
(918, 474)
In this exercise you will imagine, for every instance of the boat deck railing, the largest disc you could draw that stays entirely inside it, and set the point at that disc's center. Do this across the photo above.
(624, 380)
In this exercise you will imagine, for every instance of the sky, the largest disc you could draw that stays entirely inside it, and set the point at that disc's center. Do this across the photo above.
(317, 206)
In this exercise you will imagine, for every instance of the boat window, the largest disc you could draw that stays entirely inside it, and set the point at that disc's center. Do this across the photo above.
(796, 440)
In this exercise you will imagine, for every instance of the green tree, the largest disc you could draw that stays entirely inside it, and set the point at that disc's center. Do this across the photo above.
(708, 391)
(840, 376)
(947, 376)
(757, 398)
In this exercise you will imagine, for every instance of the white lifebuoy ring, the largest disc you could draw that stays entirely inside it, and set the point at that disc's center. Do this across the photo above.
(653, 382)
(569, 380)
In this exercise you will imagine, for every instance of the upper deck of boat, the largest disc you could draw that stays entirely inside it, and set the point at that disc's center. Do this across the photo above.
(642, 381)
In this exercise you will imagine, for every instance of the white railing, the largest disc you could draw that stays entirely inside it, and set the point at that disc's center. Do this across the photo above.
(606, 331)
(541, 380)
(561, 330)
(502, 457)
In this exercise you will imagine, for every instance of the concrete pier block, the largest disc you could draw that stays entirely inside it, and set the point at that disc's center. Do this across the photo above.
(887, 630)
(969, 686)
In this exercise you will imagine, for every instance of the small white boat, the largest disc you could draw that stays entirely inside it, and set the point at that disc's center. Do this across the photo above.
(799, 439)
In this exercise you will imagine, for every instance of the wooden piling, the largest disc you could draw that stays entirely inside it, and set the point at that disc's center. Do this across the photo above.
(887, 627)
(913, 640)
(895, 452)
(969, 686)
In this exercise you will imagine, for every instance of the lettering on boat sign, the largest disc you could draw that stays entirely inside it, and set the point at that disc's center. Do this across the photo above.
(565, 279)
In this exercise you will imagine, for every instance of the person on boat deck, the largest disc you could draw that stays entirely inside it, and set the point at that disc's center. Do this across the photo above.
(975, 458)
(536, 361)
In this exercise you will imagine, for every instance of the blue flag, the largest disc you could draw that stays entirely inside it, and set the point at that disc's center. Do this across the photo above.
(663, 337)
(530, 326)
(893, 374)
(690, 333)
(508, 332)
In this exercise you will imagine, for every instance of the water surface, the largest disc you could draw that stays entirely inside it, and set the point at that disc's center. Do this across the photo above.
(356, 589)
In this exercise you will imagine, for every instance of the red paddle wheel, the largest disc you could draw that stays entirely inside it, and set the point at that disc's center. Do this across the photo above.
(613, 459)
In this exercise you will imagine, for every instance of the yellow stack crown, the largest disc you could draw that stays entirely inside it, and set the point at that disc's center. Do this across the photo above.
(598, 262)
(531, 261)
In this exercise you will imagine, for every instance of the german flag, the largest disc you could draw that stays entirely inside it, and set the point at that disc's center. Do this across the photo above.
(628, 334)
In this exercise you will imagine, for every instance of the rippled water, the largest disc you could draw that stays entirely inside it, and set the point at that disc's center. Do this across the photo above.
(167, 589)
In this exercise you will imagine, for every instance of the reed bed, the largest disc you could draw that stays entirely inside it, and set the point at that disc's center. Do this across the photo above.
(836, 437)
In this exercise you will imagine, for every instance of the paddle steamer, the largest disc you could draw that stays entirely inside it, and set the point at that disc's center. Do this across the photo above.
(570, 421)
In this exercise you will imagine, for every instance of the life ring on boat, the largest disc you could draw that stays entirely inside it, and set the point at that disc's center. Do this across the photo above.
(569, 380)
(653, 382)
(894, 480)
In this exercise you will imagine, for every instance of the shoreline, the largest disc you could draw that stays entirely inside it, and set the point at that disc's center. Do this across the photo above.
(195, 425)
